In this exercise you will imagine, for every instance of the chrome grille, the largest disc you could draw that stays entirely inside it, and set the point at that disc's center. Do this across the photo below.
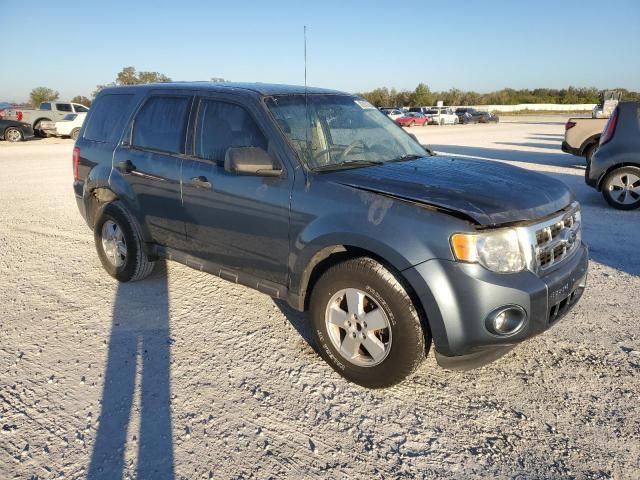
(556, 240)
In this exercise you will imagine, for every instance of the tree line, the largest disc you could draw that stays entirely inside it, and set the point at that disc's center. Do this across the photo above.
(383, 97)
(127, 76)
(423, 96)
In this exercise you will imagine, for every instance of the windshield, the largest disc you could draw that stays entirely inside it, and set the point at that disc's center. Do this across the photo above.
(332, 130)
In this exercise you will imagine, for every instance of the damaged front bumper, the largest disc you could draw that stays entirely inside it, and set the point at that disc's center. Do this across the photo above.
(458, 298)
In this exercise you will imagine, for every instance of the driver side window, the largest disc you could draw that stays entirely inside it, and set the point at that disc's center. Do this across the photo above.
(222, 125)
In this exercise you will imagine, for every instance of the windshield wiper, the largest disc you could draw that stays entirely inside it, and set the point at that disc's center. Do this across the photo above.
(404, 158)
(348, 164)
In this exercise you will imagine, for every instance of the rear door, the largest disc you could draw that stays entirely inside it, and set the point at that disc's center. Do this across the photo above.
(149, 161)
(235, 221)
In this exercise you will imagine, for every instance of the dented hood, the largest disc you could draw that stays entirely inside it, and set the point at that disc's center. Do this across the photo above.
(487, 192)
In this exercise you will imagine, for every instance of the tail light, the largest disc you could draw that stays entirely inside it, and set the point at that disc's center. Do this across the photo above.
(610, 128)
(569, 125)
(19, 115)
(76, 163)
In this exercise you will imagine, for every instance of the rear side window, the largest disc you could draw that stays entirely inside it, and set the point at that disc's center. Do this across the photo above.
(221, 126)
(161, 123)
(107, 116)
(63, 107)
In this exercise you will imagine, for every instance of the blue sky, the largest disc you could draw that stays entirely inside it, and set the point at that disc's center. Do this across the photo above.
(486, 45)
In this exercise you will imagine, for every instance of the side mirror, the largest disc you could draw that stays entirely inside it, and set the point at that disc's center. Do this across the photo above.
(250, 161)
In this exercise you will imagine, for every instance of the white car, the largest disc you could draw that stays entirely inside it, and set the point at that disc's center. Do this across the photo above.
(392, 113)
(442, 116)
(69, 126)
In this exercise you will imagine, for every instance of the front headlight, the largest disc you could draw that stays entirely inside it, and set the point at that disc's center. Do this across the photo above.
(498, 251)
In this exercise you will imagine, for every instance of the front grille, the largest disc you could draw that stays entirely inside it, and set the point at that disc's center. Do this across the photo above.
(557, 240)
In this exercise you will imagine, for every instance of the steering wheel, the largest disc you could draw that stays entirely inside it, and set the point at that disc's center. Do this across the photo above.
(351, 146)
(344, 153)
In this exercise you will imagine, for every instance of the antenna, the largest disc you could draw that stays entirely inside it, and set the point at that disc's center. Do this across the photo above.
(306, 100)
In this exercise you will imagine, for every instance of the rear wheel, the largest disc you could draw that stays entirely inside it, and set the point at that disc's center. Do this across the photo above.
(119, 245)
(621, 188)
(13, 135)
(441, 122)
(365, 325)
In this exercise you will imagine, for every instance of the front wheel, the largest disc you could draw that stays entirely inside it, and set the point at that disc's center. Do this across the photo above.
(621, 188)
(365, 324)
(74, 134)
(13, 135)
(119, 245)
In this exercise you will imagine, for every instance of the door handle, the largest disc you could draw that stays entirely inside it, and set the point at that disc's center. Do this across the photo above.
(126, 166)
(200, 182)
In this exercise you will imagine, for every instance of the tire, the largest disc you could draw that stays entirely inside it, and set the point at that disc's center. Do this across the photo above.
(621, 188)
(13, 135)
(412, 124)
(441, 122)
(398, 346)
(456, 121)
(74, 134)
(589, 151)
(133, 264)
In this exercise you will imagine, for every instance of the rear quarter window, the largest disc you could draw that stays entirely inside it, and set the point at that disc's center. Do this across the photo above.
(161, 124)
(106, 118)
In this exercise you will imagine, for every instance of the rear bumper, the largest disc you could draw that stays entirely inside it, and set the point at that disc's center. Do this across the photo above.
(458, 297)
(569, 149)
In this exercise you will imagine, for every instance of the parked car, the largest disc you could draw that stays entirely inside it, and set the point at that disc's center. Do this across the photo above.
(392, 113)
(69, 126)
(48, 111)
(441, 116)
(313, 197)
(13, 131)
(614, 168)
(411, 119)
(582, 135)
(468, 115)
(489, 117)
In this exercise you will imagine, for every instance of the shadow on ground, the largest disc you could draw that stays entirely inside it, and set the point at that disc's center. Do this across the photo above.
(139, 346)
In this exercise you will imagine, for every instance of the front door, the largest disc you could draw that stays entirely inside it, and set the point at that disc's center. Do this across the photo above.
(236, 221)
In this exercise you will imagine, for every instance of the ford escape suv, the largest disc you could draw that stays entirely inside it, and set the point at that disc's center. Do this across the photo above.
(314, 197)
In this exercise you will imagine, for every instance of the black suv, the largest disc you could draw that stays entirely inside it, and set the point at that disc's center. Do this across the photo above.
(317, 198)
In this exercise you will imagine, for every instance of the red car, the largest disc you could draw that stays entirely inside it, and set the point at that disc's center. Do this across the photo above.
(411, 119)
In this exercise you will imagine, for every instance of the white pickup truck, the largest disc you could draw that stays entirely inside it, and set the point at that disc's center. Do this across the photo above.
(48, 112)
(582, 135)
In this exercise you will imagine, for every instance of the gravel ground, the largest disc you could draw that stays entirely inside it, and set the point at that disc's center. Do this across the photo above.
(185, 375)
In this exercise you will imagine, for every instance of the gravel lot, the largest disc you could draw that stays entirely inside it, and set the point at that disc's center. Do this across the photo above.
(189, 376)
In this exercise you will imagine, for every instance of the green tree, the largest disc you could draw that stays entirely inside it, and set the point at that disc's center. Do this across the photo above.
(81, 100)
(129, 76)
(42, 94)
(422, 95)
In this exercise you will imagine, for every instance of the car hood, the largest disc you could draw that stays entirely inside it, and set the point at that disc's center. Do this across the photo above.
(486, 192)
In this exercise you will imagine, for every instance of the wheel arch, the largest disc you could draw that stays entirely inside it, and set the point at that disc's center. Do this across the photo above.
(593, 139)
(331, 255)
